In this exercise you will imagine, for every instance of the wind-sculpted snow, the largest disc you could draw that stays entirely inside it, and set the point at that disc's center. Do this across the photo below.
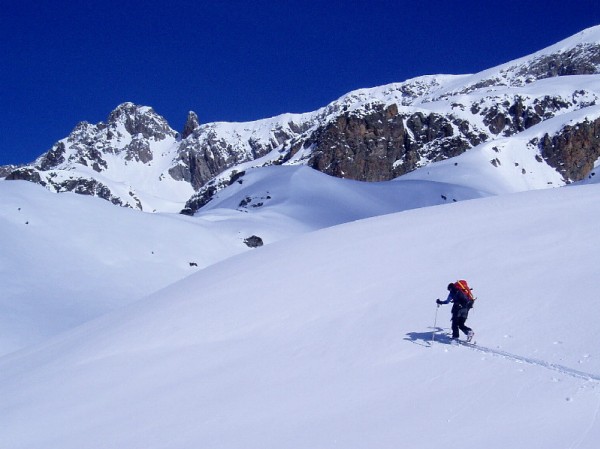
(303, 343)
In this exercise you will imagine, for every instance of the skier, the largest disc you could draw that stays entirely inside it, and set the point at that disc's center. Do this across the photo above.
(460, 311)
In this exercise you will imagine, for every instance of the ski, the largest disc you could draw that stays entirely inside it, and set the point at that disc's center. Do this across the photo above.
(450, 340)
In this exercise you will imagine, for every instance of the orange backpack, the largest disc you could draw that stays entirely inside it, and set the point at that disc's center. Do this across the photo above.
(468, 291)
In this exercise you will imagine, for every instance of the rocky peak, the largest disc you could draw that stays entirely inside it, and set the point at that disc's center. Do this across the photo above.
(191, 124)
(371, 134)
(140, 120)
(6, 170)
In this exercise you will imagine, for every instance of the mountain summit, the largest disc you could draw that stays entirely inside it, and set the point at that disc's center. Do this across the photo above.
(136, 159)
(121, 329)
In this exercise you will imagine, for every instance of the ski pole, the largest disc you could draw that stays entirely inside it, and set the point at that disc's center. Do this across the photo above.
(434, 324)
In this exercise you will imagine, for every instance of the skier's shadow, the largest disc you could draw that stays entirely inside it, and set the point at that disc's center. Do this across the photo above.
(426, 338)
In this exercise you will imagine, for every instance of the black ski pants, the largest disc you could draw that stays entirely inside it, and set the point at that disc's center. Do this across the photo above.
(458, 322)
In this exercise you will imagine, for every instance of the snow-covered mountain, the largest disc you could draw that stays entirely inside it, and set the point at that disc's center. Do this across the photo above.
(325, 339)
(295, 309)
(135, 159)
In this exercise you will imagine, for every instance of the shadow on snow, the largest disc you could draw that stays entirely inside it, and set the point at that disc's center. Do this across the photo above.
(426, 338)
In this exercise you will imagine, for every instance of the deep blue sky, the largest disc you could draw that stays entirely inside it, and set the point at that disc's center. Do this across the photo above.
(63, 62)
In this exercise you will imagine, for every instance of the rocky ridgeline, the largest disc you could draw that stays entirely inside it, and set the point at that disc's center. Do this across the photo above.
(368, 135)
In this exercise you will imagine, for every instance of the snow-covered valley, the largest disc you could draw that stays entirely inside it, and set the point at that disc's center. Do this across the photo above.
(293, 309)
(319, 340)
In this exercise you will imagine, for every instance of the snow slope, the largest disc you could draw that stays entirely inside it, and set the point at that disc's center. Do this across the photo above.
(123, 329)
(68, 258)
(505, 165)
(324, 341)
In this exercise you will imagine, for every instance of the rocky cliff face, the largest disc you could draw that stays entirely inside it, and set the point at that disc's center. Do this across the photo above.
(94, 158)
(6, 170)
(369, 135)
(574, 149)
(382, 143)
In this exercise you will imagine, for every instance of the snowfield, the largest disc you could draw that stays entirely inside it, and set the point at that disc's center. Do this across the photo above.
(134, 330)
(324, 340)
(69, 258)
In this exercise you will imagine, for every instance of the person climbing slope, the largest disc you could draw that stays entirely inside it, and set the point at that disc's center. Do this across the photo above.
(462, 301)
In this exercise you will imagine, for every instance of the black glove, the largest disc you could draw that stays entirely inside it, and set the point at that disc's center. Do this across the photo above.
(438, 301)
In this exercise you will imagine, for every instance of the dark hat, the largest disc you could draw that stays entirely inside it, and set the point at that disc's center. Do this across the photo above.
(450, 285)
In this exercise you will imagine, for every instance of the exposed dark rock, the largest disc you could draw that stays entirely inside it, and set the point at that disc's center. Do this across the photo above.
(6, 170)
(508, 118)
(139, 150)
(198, 165)
(204, 154)
(583, 59)
(573, 151)
(90, 187)
(82, 186)
(192, 124)
(26, 174)
(207, 192)
(140, 120)
(201, 198)
(254, 202)
(253, 241)
(89, 144)
(368, 142)
(245, 202)
(53, 158)
(384, 144)
(237, 177)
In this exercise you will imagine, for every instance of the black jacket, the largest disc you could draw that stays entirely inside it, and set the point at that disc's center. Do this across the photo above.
(460, 303)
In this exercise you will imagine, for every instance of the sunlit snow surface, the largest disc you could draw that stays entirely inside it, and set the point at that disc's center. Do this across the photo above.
(123, 329)
(325, 339)
(67, 258)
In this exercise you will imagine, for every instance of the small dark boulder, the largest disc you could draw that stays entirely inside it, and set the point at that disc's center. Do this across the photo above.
(253, 241)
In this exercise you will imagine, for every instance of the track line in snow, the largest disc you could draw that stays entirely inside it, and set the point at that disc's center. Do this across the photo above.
(535, 362)
(425, 339)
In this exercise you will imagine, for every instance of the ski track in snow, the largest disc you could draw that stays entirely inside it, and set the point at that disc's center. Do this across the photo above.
(532, 361)
(536, 362)
(444, 339)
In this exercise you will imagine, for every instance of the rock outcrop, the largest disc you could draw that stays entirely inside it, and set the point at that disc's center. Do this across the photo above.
(368, 135)
(574, 150)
